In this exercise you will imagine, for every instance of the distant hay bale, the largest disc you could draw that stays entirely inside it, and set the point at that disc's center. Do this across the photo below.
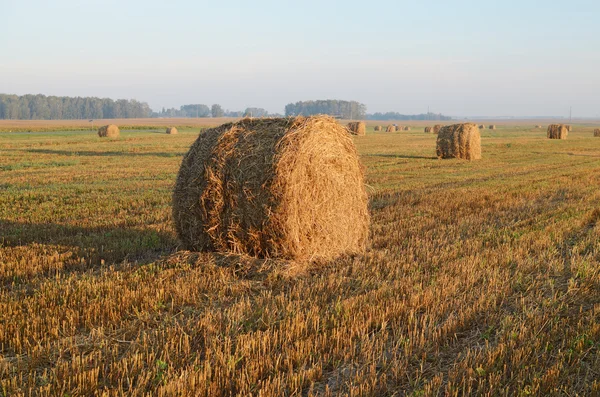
(390, 128)
(569, 128)
(597, 132)
(110, 131)
(378, 128)
(406, 128)
(459, 141)
(557, 131)
(538, 126)
(481, 126)
(357, 128)
(171, 130)
(428, 129)
(437, 128)
(290, 188)
(492, 127)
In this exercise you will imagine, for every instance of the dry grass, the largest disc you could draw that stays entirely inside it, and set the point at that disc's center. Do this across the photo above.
(287, 187)
(481, 278)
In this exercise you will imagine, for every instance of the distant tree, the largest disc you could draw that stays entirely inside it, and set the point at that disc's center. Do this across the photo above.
(216, 110)
(255, 112)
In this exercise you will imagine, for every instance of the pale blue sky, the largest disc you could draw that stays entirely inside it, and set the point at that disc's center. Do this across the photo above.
(459, 57)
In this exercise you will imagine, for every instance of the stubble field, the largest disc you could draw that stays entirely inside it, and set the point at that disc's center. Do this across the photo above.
(480, 277)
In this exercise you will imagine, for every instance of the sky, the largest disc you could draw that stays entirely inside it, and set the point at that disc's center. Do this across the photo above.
(459, 58)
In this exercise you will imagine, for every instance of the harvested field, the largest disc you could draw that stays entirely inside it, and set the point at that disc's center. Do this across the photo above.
(479, 278)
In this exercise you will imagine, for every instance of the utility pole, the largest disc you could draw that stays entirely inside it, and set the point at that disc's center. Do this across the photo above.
(570, 114)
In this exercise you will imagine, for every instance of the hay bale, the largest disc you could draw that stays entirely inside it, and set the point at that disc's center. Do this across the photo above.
(171, 130)
(406, 128)
(481, 126)
(291, 188)
(538, 126)
(428, 129)
(357, 128)
(459, 141)
(597, 132)
(569, 128)
(110, 131)
(390, 128)
(492, 127)
(437, 128)
(557, 131)
(378, 128)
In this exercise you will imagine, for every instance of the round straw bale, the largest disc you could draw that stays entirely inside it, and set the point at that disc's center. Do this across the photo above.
(378, 128)
(481, 126)
(538, 126)
(406, 128)
(171, 130)
(597, 132)
(357, 128)
(290, 188)
(569, 128)
(111, 131)
(390, 128)
(428, 129)
(557, 131)
(492, 127)
(459, 141)
(437, 128)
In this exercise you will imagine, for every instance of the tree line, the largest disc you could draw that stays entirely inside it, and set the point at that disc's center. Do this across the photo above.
(333, 107)
(398, 116)
(41, 107)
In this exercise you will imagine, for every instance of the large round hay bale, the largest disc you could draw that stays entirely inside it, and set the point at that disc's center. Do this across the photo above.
(290, 188)
(492, 127)
(437, 128)
(481, 126)
(428, 129)
(406, 128)
(569, 128)
(357, 128)
(390, 128)
(110, 131)
(538, 126)
(171, 130)
(378, 128)
(459, 141)
(597, 132)
(557, 131)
